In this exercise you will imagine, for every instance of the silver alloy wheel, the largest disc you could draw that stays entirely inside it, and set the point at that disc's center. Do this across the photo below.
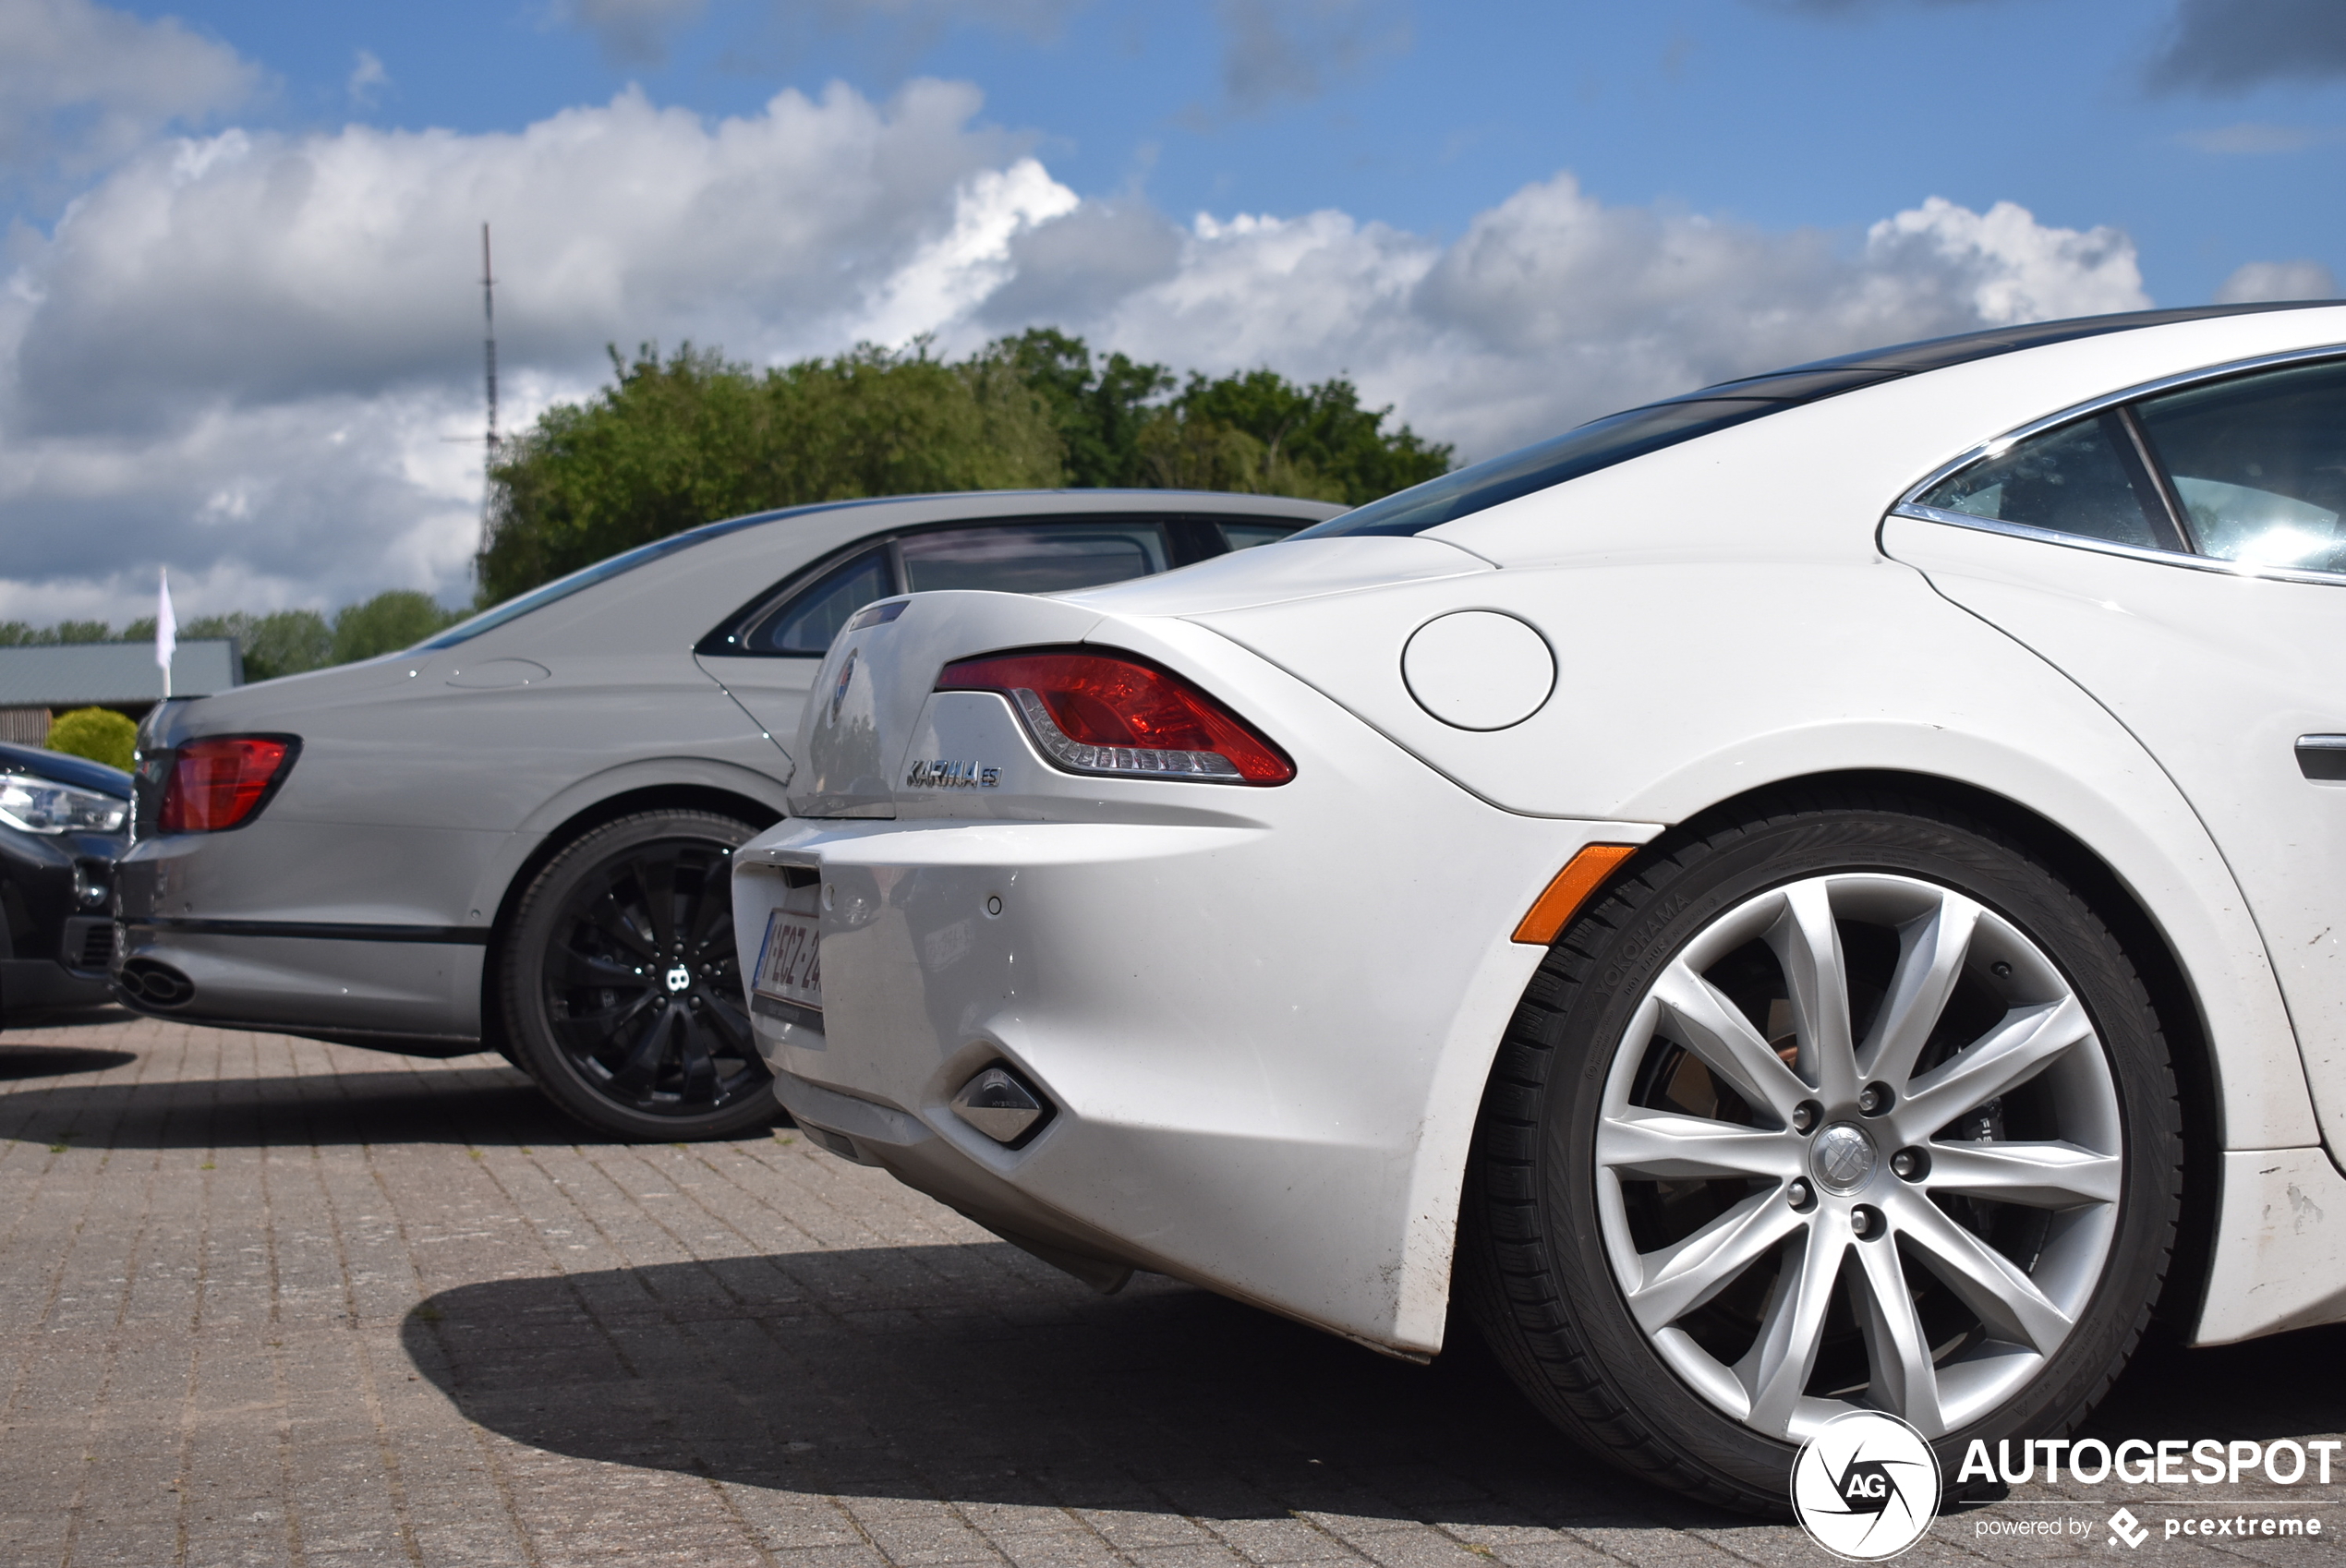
(1927, 1205)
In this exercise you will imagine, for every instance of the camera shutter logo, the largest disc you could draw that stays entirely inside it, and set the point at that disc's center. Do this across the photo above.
(1865, 1487)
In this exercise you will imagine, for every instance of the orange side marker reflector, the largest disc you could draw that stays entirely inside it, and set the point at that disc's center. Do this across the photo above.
(1581, 875)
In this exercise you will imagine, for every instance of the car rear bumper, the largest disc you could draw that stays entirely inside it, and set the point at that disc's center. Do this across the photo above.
(1262, 1041)
(344, 984)
(33, 986)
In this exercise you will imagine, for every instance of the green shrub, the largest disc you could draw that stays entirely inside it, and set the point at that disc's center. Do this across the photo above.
(98, 733)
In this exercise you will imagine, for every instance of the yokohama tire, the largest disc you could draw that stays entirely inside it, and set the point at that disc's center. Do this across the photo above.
(1994, 1273)
(622, 986)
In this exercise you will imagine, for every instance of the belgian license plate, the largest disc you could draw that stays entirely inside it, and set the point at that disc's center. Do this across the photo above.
(790, 966)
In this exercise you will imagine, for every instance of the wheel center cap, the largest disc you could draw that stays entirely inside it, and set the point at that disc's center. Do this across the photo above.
(681, 979)
(1843, 1157)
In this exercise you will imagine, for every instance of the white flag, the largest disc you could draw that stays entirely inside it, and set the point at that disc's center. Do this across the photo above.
(166, 629)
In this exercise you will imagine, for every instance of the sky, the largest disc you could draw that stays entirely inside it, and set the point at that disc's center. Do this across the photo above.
(239, 240)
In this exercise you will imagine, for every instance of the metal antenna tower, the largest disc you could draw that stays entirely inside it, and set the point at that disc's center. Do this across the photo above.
(488, 343)
(489, 363)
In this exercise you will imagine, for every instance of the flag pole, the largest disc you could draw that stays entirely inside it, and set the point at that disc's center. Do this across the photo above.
(166, 632)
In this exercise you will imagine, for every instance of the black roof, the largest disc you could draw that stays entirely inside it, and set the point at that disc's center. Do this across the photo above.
(1617, 437)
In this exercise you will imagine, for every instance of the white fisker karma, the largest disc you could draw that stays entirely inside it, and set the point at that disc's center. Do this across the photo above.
(1827, 892)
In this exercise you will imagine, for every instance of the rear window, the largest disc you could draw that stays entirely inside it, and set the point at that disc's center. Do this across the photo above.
(1599, 444)
(1617, 438)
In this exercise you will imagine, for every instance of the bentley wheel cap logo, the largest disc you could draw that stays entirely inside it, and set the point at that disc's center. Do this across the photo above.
(1866, 1486)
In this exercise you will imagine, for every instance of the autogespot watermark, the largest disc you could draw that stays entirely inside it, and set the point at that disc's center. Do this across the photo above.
(1866, 1487)
(2170, 1462)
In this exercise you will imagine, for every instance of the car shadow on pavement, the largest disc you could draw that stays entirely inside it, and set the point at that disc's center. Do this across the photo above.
(975, 1374)
(58, 1061)
(487, 1107)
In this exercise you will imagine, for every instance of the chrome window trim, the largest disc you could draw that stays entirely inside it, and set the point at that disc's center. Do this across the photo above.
(1909, 507)
(2110, 400)
(2108, 546)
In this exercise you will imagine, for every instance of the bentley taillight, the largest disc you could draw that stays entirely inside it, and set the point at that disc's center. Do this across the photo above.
(1098, 712)
(221, 781)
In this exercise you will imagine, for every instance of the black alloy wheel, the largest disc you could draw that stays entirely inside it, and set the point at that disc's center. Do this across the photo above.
(623, 988)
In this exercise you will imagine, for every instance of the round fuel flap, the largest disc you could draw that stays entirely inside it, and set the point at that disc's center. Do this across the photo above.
(1478, 670)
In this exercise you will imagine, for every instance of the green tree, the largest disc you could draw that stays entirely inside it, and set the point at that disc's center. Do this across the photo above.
(1099, 414)
(98, 733)
(386, 624)
(284, 642)
(1258, 432)
(17, 633)
(679, 442)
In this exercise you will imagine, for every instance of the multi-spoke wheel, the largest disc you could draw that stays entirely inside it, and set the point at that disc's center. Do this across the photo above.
(1852, 1107)
(623, 989)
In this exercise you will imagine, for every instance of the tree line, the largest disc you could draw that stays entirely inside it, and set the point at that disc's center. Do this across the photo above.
(683, 439)
(676, 442)
(283, 642)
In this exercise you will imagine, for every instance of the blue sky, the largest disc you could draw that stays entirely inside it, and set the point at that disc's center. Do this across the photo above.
(239, 330)
(1786, 115)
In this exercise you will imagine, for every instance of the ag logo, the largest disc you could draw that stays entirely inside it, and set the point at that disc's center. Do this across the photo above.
(1865, 1487)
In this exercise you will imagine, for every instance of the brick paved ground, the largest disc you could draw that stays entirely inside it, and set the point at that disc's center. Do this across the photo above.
(268, 1301)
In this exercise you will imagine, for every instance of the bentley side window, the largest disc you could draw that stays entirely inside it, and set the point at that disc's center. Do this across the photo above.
(2084, 479)
(1246, 536)
(1017, 556)
(808, 622)
(1033, 559)
(2258, 465)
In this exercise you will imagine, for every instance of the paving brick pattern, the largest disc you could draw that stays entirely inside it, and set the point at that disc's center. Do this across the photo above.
(266, 1301)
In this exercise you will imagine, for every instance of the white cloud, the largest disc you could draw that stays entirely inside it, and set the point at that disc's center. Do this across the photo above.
(1292, 49)
(367, 80)
(634, 32)
(1553, 308)
(256, 358)
(2252, 139)
(81, 84)
(2277, 279)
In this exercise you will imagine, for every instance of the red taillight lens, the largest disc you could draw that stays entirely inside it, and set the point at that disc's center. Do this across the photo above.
(1099, 712)
(220, 781)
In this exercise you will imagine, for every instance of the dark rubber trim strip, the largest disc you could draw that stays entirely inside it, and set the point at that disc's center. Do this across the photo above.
(319, 931)
(786, 1012)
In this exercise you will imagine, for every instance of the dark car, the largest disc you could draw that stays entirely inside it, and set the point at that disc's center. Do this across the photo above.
(63, 820)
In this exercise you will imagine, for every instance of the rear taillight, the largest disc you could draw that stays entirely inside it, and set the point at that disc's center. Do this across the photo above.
(221, 781)
(1106, 713)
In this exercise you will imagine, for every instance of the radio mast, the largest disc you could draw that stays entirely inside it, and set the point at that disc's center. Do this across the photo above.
(488, 343)
(489, 363)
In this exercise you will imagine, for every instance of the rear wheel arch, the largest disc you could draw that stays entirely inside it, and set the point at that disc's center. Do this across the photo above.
(1734, 844)
(659, 797)
(2160, 967)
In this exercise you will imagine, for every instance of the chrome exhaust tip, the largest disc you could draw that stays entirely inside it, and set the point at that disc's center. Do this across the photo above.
(1002, 1105)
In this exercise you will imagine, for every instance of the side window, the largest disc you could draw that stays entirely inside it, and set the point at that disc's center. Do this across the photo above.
(1246, 536)
(813, 617)
(1033, 559)
(2258, 465)
(2083, 478)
